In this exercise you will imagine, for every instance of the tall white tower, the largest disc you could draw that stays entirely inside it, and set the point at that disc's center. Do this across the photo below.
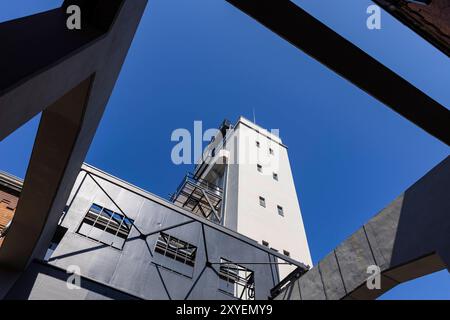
(256, 195)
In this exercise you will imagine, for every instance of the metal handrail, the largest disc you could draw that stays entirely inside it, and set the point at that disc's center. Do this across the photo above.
(197, 181)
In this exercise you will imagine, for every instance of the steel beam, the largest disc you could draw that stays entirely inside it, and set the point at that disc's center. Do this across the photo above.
(350, 62)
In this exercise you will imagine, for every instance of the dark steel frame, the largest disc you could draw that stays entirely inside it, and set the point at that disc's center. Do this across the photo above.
(314, 38)
(193, 218)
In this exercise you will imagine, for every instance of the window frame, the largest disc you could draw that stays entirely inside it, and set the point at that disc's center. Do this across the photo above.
(168, 250)
(96, 213)
(259, 168)
(262, 201)
(280, 210)
(240, 277)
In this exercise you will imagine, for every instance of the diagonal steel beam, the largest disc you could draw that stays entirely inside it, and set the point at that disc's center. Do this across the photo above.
(341, 56)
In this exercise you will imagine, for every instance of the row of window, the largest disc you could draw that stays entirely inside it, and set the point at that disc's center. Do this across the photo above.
(112, 228)
(258, 145)
(235, 279)
(266, 244)
(260, 169)
(262, 203)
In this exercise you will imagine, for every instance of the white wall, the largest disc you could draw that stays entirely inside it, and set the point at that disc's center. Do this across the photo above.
(281, 232)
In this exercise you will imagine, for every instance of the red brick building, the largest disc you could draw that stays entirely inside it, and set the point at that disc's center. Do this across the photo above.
(10, 188)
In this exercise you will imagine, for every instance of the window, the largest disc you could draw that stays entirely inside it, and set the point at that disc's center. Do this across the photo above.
(106, 226)
(176, 249)
(236, 280)
(280, 210)
(262, 202)
(257, 144)
(265, 243)
(286, 253)
(275, 176)
(271, 151)
(259, 167)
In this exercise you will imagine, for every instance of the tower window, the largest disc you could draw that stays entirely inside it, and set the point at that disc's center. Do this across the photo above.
(259, 168)
(280, 210)
(271, 151)
(106, 226)
(275, 176)
(262, 202)
(176, 249)
(258, 144)
(236, 280)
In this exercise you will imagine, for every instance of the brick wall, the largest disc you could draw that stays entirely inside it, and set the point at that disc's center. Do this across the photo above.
(8, 204)
(431, 21)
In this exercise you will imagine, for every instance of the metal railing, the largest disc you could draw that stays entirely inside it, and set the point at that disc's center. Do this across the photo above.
(189, 177)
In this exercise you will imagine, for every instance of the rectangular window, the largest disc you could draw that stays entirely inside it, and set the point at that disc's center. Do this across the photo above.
(262, 202)
(275, 176)
(257, 144)
(236, 280)
(259, 167)
(286, 253)
(280, 210)
(271, 151)
(176, 249)
(106, 226)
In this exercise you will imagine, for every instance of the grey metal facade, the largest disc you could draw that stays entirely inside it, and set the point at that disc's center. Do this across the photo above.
(137, 271)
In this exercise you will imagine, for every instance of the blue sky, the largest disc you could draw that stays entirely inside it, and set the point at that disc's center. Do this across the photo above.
(205, 60)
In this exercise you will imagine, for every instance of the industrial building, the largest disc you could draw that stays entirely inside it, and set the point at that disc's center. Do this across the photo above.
(79, 233)
(126, 243)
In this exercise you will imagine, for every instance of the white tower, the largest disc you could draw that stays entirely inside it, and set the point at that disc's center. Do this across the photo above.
(259, 199)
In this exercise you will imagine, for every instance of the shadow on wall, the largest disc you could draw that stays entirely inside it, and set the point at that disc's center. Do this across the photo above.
(44, 277)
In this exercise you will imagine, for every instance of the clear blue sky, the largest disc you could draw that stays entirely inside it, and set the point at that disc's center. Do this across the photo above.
(205, 60)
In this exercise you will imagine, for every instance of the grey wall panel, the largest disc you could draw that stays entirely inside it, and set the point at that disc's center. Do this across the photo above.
(137, 269)
(96, 260)
(44, 282)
